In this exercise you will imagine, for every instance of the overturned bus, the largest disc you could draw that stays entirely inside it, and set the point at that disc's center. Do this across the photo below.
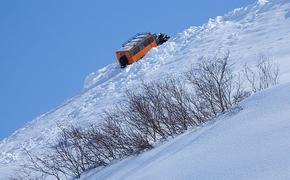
(138, 46)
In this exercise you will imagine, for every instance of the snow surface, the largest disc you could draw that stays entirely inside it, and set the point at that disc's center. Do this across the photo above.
(249, 143)
(260, 28)
(262, 2)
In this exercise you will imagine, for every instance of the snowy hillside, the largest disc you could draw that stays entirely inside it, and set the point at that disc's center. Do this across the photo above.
(252, 143)
(260, 28)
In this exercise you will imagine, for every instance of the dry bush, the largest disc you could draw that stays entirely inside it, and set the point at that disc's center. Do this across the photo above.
(41, 166)
(78, 150)
(124, 139)
(216, 87)
(263, 75)
(69, 157)
(70, 152)
(160, 109)
(26, 173)
(141, 111)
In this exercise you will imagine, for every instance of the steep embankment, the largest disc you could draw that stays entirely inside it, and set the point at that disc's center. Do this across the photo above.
(260, 28)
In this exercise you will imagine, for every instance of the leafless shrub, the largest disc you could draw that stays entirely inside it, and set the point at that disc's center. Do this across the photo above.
(98, 149)
(78, 150)
(26, 173)
(264, 75)
(70, 153)
(70, 156)
(141, 110)
(124, 139)
(39, 167)
(216, 87)
(160, 109)
(133, 134)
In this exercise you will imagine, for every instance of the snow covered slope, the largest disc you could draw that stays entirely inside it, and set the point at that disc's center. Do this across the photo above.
(252, 143)
(260, 28)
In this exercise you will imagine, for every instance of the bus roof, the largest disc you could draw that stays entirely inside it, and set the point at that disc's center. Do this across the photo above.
(133, 41)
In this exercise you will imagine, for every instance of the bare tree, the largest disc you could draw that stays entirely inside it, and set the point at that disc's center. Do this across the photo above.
(215, 85)
(25, 173)
(71, 152)
(141, 113)
(41, 164)
(68, 157)
(124, 139)
(161, 109)
(264, 75)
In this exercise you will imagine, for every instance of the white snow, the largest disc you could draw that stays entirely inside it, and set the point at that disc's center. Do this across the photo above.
(262, 2)
(252, 143)
(247, 33)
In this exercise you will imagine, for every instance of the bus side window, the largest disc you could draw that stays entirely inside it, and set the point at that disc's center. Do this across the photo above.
(151, 40)
(141, 46)
(146, 42)
(135, 50)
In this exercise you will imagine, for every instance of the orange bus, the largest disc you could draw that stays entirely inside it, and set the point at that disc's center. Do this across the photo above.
(138, 46)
